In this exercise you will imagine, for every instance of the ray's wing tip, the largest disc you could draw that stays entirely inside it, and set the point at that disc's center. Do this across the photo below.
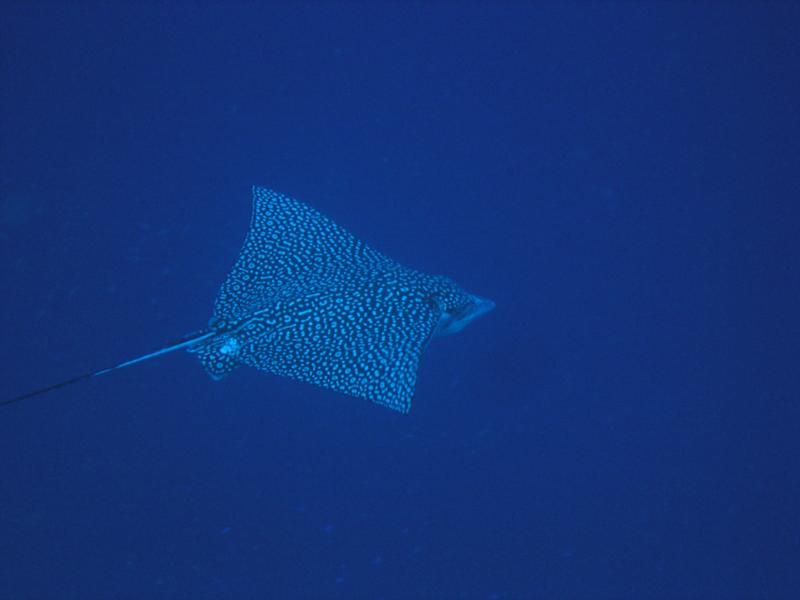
(403, 409)
(257, 190)
(401, 405)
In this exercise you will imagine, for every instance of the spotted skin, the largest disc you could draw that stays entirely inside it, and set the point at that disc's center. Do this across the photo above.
(309, 301)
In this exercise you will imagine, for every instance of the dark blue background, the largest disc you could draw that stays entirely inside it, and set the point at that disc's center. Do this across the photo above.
(623, 179)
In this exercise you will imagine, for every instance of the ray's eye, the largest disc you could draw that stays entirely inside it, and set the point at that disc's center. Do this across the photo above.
(432, 302)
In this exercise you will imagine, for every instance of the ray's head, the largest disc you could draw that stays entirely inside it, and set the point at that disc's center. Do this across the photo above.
(454, 318)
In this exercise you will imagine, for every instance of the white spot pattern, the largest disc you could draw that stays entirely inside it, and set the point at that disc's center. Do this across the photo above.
(309, 301)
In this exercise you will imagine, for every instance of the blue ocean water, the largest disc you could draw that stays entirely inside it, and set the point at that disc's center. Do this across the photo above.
(621, 178)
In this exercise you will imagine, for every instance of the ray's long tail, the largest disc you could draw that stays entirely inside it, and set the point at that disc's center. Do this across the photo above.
(184, 342)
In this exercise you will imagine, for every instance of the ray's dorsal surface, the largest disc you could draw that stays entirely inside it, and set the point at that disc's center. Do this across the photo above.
(309, 301)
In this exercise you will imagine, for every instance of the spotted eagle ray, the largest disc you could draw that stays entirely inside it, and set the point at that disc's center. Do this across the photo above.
(309, 301)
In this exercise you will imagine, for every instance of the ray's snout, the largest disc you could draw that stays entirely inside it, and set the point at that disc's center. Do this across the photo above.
(482, 306)
(456, 320)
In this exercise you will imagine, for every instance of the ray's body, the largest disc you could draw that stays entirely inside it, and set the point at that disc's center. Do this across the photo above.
(308, 300)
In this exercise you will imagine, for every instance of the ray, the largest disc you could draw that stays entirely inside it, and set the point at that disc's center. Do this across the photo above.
(309, 301)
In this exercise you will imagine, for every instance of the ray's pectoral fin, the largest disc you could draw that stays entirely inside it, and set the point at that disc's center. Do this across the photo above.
(219, 355)
(388, 372)
(360, 345)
